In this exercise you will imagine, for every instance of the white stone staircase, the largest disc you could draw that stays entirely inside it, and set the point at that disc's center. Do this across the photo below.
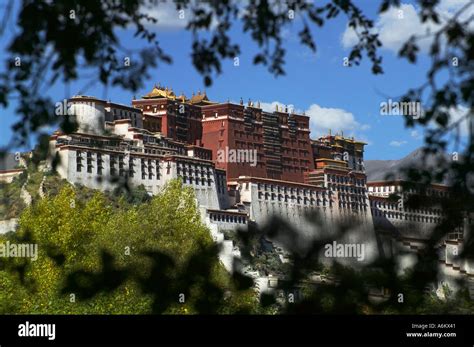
(227, 250)
(8, 225)
(25, 195)
(41, 188)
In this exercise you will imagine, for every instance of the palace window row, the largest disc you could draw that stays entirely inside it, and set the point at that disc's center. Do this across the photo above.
(397, 207)
(194, 170)
(347, 189)
(406, 216)
(346, 180)
(393, 189)
(227, 218)
(263, 187)
(80, 156)
(294, 199)
(356, 206)
(196, 180)
(150, 168)
(348, 197)
(195, 174)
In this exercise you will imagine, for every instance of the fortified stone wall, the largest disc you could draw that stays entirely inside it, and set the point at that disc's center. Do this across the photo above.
(301, 212)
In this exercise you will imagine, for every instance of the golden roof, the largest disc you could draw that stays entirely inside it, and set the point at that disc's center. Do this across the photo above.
(200, 99)
(183, 97)
(160, 92)
(348, 140)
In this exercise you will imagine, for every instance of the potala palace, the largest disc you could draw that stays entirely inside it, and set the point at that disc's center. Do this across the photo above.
(277, 170)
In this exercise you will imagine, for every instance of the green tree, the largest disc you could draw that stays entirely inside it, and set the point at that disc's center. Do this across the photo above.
(97, 258)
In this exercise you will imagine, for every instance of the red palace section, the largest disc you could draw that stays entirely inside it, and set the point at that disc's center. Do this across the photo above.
(246, 140)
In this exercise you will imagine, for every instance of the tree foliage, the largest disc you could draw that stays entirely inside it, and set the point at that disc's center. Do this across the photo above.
(130, 259)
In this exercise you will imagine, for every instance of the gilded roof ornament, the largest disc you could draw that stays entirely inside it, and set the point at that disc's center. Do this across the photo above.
(160, 92)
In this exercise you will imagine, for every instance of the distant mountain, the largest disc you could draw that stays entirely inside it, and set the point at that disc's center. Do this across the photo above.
(377, 170)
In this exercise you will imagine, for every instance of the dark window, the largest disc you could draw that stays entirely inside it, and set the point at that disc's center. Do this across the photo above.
(130, 167)
(99, 164)
(78, 161)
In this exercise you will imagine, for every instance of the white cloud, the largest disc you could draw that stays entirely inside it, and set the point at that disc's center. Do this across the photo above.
(397, 25)
(168, 17)
(323, 119)
(271, 106)
(398, 143)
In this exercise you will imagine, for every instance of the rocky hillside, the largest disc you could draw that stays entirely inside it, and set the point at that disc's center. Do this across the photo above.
(377, 170)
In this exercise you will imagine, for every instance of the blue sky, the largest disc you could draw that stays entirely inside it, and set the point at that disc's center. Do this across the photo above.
(337, 97)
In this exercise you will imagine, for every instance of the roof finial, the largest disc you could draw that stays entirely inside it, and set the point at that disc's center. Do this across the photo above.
(258, 104)
(241, 101)
(276, 107)
(286, 108)
(249, 103)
